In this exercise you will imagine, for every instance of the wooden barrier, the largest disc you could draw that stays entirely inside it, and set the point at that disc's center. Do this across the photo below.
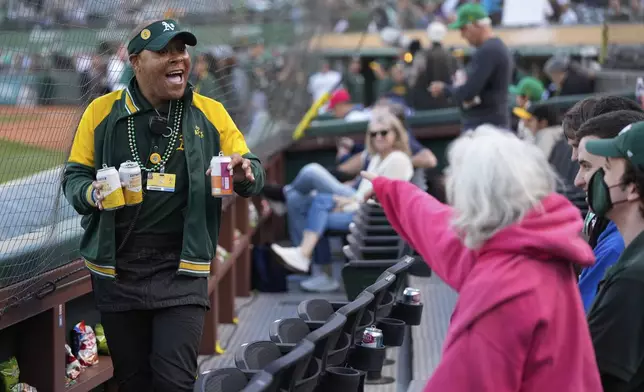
(551, 36)
(36, 331)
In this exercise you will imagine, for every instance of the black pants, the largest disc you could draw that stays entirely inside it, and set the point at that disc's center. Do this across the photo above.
(155, 350)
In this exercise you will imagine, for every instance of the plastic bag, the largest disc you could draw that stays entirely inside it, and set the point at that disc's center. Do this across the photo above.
(72, 367)
(84, 345)
(9, 374)
(22, 387)
(101, 340)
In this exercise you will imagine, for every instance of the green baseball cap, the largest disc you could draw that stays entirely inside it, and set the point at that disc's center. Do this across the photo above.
(529, 87)
(629, 144)
(468, 13)
(157, 35)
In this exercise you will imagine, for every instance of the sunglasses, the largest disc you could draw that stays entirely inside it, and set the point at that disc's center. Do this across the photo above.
(382, 133)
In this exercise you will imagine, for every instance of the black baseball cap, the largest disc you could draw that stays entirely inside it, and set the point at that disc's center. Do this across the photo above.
(157, 35)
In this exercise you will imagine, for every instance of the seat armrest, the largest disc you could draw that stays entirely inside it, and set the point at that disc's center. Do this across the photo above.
(313, 325)
(286, 348)
(338, 305)
(372, 263)
(250, 373)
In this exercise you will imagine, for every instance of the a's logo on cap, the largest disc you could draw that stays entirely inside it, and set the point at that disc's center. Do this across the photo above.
(145, 34)
(167, 26)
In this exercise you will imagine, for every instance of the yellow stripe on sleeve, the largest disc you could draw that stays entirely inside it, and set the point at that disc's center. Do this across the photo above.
(83, 146)
(232, 140)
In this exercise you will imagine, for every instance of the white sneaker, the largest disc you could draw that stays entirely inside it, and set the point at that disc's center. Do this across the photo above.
(278, 208)
(314, 280)
(292, 258)
(320, 284)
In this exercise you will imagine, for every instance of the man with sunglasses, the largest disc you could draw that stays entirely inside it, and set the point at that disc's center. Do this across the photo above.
(482, 93)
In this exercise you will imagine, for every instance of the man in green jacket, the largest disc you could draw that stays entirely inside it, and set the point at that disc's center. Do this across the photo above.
(150, 263)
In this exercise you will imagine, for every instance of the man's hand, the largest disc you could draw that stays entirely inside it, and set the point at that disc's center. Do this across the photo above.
(344, 145)
(96, 194)
(436, 88)
(341, 201)
(240, 168)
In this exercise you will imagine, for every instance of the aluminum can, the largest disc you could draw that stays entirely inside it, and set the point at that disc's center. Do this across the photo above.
(130, 174)
(111, 190)
(221, 180)
(411, 296)
(372, 337)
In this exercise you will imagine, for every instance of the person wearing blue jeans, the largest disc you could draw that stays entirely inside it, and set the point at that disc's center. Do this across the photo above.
(333, 204)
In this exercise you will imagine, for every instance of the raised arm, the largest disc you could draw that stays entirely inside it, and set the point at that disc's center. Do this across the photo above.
(424, 223)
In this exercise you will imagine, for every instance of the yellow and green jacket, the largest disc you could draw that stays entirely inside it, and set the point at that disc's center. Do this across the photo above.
(207, 129)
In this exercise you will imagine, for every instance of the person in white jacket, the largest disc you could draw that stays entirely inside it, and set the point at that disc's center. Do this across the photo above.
(388, 148)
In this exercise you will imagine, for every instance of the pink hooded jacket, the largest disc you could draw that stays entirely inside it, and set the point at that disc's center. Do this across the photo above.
(519, 324)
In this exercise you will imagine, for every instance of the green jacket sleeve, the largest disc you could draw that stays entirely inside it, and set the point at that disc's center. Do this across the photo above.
(77, 187)
(79, 171)
(247, 188)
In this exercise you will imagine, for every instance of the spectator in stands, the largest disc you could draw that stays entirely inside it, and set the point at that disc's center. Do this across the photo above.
(150, 263)
(439, 64)
(333, 208)
(588, 108)
(567, 79)
(609, 245)
(546, 132)
(482, 94)
(529, 90)
(545, 127)
(616, 318)
(204, 81)
(354, 81)
(323, 81)
(352, 158)
(508, 252)
(393, 82)
(116, 68)
(341, 106)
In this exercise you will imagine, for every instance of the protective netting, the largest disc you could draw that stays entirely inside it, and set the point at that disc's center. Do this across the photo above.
(57, 55)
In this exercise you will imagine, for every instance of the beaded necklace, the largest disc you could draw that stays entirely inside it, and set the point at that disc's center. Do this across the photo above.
(174, 135)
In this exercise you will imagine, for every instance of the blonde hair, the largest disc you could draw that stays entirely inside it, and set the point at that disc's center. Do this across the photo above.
(381, 119)
(493, 179)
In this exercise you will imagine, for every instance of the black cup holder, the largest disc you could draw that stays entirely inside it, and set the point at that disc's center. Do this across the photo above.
(368, 359)
(386, 305)
(340, 379)
(393, 331)
(410, 314)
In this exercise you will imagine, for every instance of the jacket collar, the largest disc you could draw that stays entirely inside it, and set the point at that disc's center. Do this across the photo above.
(132, 101)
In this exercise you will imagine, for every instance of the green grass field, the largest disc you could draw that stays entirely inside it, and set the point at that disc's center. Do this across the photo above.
(19, 160)
(11, 118)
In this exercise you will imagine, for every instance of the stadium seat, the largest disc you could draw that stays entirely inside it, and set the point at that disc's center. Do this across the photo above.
(291, 366)
(262, 382)
(222, 380)
(331, 344)
(354, 311)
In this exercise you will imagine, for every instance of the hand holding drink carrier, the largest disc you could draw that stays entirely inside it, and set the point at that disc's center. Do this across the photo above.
(221, 179)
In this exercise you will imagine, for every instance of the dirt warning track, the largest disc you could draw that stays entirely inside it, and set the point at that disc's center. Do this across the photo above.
(50, 127)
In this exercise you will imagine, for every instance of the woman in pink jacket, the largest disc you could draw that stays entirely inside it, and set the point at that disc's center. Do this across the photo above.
(507, 245)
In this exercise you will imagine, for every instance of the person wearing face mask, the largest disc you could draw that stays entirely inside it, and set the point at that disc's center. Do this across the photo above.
(150, 262)
(616, 317)
(609, 245)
